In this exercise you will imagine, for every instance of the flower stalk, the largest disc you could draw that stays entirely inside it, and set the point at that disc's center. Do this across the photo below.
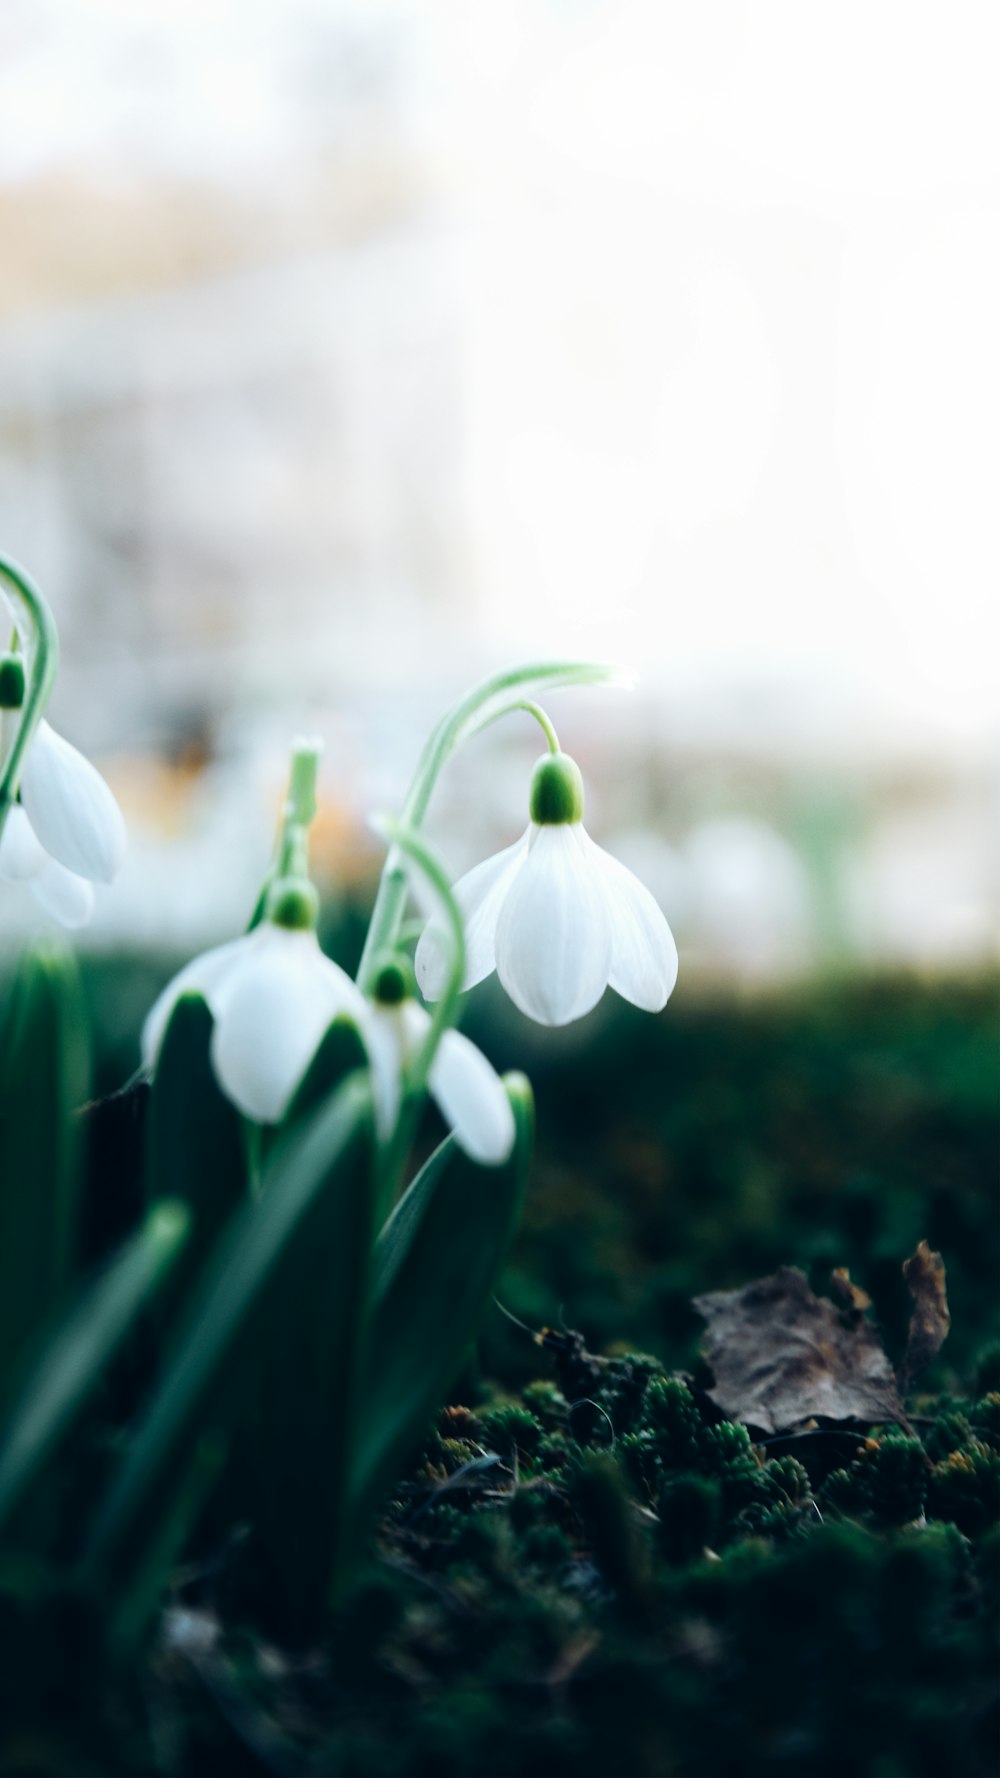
(485, 704)
(36, 628)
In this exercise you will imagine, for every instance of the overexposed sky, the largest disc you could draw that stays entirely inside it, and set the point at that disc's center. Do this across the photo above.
(726, 318)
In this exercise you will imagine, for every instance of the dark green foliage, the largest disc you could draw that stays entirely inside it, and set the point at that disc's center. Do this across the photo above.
(433, 1267)
(673, 1424)
(547, 1403)
(562, 1624)
(885, 1485)
(689, 1515)
(948, 1433)
(699, 1150)
(45, 1071)
(985, 1418)
(593, 1572)
(965, 1488)
(988, 1368)
(194, 1145)
(510, 1427)
(254, 1274)
(58, 1385)
(598, 1493)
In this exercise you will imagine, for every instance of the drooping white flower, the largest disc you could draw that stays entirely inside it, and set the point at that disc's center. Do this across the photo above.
(272, 994)
(466, 1089)
(67, 897)
(557, 917)
(67, 831)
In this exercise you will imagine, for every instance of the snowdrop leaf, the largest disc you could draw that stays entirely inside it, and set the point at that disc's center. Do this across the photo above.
(313, 1203)
(44, 1075)
(194, 1149)
(57, 1386)
(432, 1271)
(301, 1384)
(339, 1053)
(204, 975)
(488, 702)
(71, 809)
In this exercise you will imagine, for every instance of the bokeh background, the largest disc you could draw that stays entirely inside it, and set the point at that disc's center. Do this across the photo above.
(349, 352)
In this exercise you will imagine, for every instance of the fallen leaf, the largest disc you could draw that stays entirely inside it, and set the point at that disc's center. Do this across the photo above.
(925, 1276)
(780, 1354)
(855, 1298)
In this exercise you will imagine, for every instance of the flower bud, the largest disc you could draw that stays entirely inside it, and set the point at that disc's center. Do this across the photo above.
(556, 791)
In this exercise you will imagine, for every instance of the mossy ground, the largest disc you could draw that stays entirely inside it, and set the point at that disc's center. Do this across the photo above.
(586, 1569)
(634, 1589)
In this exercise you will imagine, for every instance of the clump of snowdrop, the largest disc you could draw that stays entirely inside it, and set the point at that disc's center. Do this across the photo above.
(556, 916)
(61, 829)
(272, 994)
(321, 1283)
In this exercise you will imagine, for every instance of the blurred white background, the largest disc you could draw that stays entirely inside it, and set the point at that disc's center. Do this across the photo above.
(351, 351)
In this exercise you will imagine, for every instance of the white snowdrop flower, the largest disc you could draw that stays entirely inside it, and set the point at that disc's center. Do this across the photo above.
(72, 811)
(466, 1089)
(67, 897)
(66, 832)
(272, 994)
(557, 917)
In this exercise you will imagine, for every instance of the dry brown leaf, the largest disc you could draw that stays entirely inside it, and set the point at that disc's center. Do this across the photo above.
(925, 1276)
(855, 1298)
(780, 1354)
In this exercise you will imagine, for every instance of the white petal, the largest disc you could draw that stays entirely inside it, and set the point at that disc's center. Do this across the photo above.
(553, 939)
(383, 1035)
(480, 895)
(203, 975)
(71, 808)
(643, 952)
(21, 856)
(64, 895)
(472, 1100)
(271, 1011)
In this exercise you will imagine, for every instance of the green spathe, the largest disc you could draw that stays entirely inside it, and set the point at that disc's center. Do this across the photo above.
(556, 791)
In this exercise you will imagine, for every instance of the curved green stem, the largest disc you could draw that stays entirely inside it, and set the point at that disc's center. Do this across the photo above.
(392, 1158)
(544, 722)
(485, 704)
(41, 640)
(404, 839)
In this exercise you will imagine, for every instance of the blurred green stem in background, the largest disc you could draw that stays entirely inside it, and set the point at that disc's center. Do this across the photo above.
(292, 854)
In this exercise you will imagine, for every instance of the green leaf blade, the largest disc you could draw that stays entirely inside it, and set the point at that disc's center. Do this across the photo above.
(59, 1384)
(434, 1266)
(255, 1271)
(195, 1149)
(44, 1081)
